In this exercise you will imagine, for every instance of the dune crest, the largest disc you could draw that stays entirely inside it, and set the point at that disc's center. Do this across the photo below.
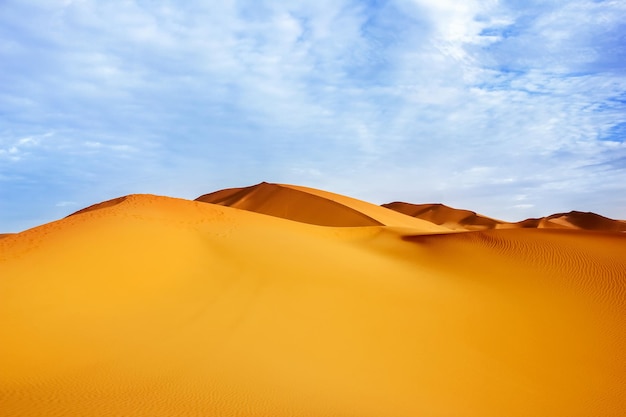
(575, 220)
(287, 203)
(98, 206)
(459, 219)
(308, 205)
(163, 307)
(455, 219)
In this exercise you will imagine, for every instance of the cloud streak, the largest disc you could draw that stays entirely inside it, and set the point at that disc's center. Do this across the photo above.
(472, 104)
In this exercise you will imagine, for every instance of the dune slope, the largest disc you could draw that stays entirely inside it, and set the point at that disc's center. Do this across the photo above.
(455, 219)
(163, 307)
(312, 206)
(458, 219)
(574, 220)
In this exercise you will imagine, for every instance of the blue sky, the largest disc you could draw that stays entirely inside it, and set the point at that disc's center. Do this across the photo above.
(510, 108)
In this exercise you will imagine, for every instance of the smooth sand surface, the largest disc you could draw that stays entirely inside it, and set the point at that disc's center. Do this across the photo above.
(155, 306)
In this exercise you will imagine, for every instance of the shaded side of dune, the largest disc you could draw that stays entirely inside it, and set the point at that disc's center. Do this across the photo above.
(456, 219)
(313, 206)
(459, 219)
(278, 201)
(99, 206)
(574, 220)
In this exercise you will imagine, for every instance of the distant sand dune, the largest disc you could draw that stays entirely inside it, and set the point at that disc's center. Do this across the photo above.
(312, 206)
(575, 220)
(455, 219)
(458, 219)
(161, 307)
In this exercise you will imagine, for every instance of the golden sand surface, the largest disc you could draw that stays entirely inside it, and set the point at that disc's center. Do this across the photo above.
(155, 306)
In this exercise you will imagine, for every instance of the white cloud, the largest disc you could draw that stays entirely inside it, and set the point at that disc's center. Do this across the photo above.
(14, 149)
(397, 100)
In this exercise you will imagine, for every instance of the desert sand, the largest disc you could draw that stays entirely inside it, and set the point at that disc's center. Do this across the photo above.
(155, 306)
(449, 217)
(464, 220)
(309, 205)
(572, 220)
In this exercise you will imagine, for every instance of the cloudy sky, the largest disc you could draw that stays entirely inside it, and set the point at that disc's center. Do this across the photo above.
(510, 108)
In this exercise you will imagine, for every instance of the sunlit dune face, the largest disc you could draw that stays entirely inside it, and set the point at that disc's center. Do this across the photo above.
(153, 306)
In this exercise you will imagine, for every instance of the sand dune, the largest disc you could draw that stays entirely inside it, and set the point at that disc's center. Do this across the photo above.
(153, 306)
(574, 220)
(312, 206)
(454, 219)
(458, 219)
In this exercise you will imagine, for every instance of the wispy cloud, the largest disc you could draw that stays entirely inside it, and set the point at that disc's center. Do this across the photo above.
(471, 104)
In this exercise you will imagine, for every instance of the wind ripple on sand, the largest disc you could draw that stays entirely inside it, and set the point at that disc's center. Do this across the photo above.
(164, 308)
(591, 261)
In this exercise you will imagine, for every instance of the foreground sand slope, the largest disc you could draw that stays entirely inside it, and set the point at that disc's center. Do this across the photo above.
(152, 306)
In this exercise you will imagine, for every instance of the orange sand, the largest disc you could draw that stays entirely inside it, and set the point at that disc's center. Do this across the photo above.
(153, 306)
(454, 219)
(573, 220)
(464, 220)
(308, 205)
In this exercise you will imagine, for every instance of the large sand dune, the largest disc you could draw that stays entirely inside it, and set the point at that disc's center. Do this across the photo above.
(153, 306)
(313, 206)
